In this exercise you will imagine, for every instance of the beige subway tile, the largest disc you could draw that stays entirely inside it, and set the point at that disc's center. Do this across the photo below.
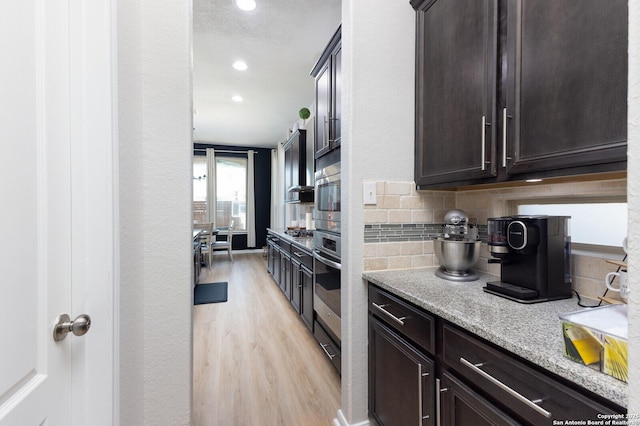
(370, 250)
(389, 202)
(400, 262)
(410, 202)
(411, 248)
(590, 267)
(427, 247)
(399, 188)
(376, 264)
(421, 216)
(375, 216)
(422, 261)
(399, 216)
(389, 249)
(381, 188)
(588, 287)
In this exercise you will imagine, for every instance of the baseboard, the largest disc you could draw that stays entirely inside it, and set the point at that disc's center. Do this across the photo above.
(341, 421)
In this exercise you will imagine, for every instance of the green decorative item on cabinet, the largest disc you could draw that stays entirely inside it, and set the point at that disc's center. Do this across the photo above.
(304, 113)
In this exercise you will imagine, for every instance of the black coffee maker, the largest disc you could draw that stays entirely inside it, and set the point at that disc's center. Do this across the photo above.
(534, 253)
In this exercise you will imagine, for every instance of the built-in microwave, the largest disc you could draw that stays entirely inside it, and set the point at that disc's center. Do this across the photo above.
(327, 198)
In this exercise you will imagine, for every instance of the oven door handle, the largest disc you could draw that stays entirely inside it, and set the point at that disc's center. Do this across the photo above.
(326, 261)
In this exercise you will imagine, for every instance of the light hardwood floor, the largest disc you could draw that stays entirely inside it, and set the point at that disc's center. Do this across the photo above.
(255, 362)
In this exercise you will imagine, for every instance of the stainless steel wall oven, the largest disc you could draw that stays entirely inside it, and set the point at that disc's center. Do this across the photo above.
(327, 262)
(327, 198)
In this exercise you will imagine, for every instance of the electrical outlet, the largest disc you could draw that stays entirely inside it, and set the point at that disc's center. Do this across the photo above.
(369, 193)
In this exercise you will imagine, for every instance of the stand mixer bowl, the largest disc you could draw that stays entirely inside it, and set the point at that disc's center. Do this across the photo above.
(457, 257)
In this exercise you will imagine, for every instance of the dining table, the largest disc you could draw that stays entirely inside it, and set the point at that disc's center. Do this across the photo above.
(198, 261)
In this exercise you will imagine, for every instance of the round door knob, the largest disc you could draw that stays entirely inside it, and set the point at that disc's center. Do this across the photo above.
(64, 325)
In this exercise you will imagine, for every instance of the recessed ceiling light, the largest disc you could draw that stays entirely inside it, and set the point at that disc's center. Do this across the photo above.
(237, 98)
(240, 65)
(247, 5)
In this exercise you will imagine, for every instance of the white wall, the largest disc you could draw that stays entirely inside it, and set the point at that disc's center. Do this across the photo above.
(155, 147)
(633, 200)
(378, 125)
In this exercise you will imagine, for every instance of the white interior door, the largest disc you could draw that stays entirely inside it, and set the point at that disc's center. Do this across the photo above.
(53, 52)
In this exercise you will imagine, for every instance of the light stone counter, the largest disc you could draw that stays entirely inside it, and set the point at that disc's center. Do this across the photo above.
(534, 332)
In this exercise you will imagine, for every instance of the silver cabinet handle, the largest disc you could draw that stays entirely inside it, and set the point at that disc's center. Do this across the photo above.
(297, 254)
(326, 141)
(421, 415)
(527, 402)
(324, 348)
(388, 314)
(484, 123)
(484, 163)
(504, 138)
(438, 401)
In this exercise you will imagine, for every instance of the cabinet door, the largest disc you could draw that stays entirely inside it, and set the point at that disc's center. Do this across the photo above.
(336, 107)
(285, 274)
(401, 380)
(566, 94)
(456, 60)
(288, 173)
(296, 286)
(323, 103)
(307, 297)
(284, 261)
(276, 264)
(270, 254)
(462, 406)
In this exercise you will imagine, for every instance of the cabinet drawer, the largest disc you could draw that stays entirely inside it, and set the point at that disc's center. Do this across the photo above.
(522, 390)
(408, 320)
(330, 349)
(284, 245)
(303, 256)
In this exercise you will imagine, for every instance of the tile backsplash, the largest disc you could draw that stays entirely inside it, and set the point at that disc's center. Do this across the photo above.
(399, 229)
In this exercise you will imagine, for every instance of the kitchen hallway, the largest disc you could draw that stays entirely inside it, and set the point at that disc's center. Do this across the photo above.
(255, 362)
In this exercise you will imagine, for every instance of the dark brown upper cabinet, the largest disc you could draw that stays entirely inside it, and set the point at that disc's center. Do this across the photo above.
(516, 89)
(297, 189)
(328, 75)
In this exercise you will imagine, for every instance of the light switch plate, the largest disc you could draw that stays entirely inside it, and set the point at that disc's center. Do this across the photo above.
(369, 193)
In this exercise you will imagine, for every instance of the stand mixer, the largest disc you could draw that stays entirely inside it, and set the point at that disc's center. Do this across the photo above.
(457, 248)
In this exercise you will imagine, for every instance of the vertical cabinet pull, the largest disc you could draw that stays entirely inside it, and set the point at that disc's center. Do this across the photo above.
(483, 164)
(504, 138)
(325, 140)
(421, 415)
(438, 401)
(484, 123)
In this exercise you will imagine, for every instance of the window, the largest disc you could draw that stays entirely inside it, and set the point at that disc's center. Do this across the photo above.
(231, 189)
(199, 189)
(594, 222)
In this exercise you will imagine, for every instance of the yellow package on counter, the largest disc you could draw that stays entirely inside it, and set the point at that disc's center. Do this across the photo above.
(598, 338)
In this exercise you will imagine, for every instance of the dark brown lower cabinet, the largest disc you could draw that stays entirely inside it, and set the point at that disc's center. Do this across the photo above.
(459, 378)
(401, 379)
(461, 406)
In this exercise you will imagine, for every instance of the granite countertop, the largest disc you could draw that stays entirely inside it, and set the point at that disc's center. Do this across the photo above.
(305, 243)
(533, 332)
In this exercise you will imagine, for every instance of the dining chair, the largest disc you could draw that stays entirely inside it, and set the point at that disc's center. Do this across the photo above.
(205, 240)
(225, 245)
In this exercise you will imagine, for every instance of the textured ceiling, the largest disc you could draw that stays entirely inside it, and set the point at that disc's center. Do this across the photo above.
(280, 41)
